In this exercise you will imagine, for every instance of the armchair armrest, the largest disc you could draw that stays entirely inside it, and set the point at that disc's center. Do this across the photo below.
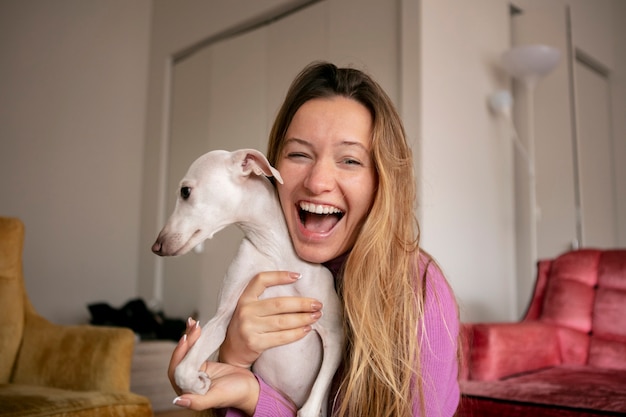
(498, 350)
(82, 358)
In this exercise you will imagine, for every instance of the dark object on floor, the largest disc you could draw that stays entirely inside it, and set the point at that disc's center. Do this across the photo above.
(136, 316)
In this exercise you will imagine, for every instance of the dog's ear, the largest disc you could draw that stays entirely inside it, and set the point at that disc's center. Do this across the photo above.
(252, 161)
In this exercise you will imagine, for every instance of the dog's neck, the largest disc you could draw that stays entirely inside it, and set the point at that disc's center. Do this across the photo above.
(264, 223)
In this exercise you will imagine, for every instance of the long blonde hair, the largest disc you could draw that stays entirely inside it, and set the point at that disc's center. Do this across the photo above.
(382, 298)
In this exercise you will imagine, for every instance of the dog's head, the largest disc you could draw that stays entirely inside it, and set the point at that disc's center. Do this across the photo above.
(210, 197)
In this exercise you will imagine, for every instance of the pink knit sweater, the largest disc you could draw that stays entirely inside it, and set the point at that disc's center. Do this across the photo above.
(438, 357)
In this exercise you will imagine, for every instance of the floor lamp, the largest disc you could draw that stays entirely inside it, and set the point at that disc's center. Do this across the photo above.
(528, 64)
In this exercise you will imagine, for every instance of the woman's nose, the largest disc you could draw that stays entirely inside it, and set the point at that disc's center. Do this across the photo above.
(320, 177)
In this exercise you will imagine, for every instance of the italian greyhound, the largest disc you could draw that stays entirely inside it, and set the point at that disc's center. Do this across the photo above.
(223, 188)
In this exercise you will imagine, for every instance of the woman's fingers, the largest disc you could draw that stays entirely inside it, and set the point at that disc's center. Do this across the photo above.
(281, 313)
(264, 280)
(258, 325)
(250, 307)
(193, 331)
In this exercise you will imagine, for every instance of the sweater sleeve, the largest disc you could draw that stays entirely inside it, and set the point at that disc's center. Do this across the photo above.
(271, 404)
(439, 343)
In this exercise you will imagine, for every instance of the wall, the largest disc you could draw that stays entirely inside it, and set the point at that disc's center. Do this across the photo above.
(467, 198)
(73, 87)
(74, 167)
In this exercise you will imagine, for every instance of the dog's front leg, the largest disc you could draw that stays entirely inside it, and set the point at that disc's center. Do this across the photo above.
(188, 376)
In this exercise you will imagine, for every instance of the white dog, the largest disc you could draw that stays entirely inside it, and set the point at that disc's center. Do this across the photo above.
(223, 188)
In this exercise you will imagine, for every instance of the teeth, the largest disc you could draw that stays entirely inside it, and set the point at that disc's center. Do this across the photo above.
(319, 208)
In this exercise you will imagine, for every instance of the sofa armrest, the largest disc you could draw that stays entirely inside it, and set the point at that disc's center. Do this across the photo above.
(498, 350)
(83, 358)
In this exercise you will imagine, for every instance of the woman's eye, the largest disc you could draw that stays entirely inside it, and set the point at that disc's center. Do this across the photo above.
(351, 161)
(296, 155)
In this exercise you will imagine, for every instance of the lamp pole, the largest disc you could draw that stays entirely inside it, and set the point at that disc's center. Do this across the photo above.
(528, 64)
(529, 84)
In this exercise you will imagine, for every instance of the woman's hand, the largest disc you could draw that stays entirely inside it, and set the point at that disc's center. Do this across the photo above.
(258, 325)
(231, 386)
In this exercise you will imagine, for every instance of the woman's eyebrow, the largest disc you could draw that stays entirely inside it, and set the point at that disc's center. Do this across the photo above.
(343, 143)
(298, 141)
(352, 143)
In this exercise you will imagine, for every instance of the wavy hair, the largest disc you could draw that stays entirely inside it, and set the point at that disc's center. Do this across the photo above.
(382, 298)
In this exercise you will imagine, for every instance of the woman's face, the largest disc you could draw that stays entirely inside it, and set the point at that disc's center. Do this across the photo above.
(329, 176)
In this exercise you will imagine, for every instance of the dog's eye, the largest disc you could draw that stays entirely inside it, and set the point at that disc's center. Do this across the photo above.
(185, 192)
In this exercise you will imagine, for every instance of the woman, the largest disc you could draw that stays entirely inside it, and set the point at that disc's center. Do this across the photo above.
(341, 149)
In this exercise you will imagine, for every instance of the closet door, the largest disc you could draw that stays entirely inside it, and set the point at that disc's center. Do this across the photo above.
(187, 141)
(595, 163)
(236, 120)
(218, 102)
(225, 96)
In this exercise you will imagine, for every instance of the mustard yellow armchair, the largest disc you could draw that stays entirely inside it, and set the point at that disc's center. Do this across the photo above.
(52, 370)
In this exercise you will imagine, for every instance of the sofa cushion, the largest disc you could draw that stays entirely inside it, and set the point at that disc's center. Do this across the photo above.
(502, 349)
(608, 354)
(568, 386)
(609, 314)
(79, 357)
(612, 270)
(574, 346)
(570, 291)
(580, 266)
(31, 400)
(568, 303)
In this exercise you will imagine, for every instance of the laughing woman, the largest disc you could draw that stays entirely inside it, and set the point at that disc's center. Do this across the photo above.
(340, 146)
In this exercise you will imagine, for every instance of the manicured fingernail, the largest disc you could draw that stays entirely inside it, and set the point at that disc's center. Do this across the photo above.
(189, 321)
(197, 324)
(183, 339)
(316, 314)
(181, 402)
(316, 306)
(295, 275)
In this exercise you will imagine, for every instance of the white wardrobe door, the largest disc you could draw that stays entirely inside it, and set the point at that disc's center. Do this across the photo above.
(225, 96)
(596, 170)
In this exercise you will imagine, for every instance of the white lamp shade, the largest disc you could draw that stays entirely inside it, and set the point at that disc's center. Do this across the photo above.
(530, 62)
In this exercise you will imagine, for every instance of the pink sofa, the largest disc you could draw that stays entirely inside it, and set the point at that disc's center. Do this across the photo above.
(566, 357)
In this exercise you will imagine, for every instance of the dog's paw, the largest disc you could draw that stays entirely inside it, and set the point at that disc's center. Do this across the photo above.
(194, 382)
(202, 384)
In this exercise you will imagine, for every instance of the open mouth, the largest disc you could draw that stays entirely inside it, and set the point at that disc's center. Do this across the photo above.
(319, 218)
